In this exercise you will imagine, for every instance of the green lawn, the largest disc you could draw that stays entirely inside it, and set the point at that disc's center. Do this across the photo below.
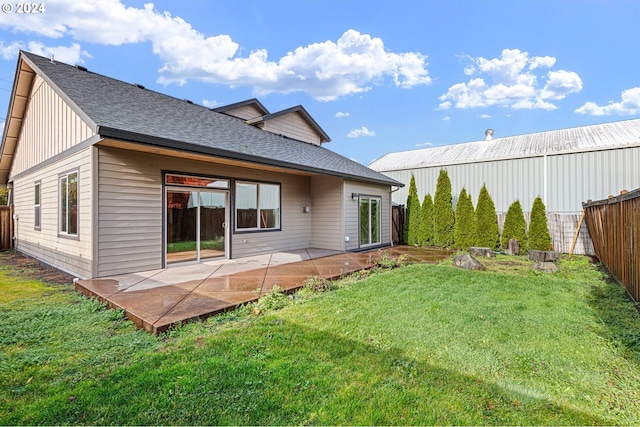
(423, 344)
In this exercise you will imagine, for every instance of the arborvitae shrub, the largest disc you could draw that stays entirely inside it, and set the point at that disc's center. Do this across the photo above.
(464, 227)
(539, 237)
(487, 230)
(425, 234)
(515, 226)
(413, 213)
(443, 218)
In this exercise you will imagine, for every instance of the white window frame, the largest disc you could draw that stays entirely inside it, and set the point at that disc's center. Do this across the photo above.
(65, 219)
(37, 205)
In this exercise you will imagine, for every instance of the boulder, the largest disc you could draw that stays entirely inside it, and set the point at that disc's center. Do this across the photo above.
(482, 252)
(544, 256)
(513, 247)
(468, 262)
(546, 266)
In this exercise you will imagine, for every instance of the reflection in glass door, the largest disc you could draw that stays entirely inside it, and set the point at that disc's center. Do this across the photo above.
(196, 224)
(369, 221)
(213, 223)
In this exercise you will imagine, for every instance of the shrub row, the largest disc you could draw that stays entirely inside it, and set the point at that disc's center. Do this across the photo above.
(435, 222)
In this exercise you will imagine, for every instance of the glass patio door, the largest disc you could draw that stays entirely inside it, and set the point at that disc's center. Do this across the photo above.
(196, 224)
(369, 221)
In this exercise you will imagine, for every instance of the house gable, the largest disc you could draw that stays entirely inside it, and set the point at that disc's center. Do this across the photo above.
(245, 110)
(40, 124)
(295, 123)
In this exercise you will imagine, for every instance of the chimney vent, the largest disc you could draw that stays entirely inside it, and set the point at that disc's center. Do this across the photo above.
(489, 134)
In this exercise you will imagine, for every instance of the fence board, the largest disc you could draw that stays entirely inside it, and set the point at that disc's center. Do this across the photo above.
(5, 228)
(615, 232)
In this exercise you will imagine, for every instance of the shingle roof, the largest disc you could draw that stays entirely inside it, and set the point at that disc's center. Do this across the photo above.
(128, 112)
(585, 138)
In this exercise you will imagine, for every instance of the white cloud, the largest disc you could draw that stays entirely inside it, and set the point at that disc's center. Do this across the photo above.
(69, 54)
(341, 114)
(446, 118)
(363, 131)
(513, 83)
(628, 105)
(485, 116)
(425, 144)
(209, 103)
(326, 70)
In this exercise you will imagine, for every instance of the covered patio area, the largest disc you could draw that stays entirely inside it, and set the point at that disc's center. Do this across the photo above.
(157, 299)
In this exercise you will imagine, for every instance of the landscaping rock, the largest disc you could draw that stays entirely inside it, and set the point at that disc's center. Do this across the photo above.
(544, 256)
(468, 262)
(482, 252)
(547, 266)
(513, 247)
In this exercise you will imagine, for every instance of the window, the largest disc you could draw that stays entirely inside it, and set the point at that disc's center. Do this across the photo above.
(69, 204)
(257, 206)
(36, 206)
(195, 181)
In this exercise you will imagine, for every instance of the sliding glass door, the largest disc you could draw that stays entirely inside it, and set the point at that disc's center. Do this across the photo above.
(196, 224)
(370, 221)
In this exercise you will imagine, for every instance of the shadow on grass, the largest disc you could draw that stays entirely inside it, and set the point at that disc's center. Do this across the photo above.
(277, 372)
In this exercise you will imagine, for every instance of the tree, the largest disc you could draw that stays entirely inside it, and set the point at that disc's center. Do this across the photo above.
(413, 213)
(425, 234)
(539, 237)
(464, 227)
(487, 230)
(443, 217)
(515, 226)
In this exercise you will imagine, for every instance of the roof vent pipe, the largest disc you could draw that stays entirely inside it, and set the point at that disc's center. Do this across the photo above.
(489, 134)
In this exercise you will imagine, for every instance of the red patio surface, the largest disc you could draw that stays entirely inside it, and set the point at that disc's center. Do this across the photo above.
(156, 300)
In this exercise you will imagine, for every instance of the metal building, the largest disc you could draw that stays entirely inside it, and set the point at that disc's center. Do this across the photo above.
(565, 167)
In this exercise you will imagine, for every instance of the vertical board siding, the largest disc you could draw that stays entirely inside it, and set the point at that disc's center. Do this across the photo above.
(327, 230)
(71, 254)
(294, 126)
(130, 208)
(49, 127)
(352, 212)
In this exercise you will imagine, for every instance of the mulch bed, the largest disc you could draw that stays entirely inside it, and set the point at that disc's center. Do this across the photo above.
(33, 269)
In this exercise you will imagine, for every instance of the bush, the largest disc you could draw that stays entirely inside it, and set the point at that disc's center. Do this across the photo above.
(413, 213)
(425, 233)
(487, 230)
(515, 226)
(443, 218)
(464, 227)
(539, 237)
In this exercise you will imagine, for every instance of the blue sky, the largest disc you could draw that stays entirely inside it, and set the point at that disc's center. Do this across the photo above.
(378, 76)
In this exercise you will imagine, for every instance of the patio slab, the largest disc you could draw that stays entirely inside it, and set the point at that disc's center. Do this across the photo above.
(158, 299)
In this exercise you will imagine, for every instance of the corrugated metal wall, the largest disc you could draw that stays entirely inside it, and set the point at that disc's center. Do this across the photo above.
(564, 181)
(571, 179)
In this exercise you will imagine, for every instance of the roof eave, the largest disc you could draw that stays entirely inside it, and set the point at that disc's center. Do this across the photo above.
(154, 141)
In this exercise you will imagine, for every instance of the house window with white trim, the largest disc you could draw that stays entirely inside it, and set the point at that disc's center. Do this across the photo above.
(257, 206)
(36, 205)
(69, 204)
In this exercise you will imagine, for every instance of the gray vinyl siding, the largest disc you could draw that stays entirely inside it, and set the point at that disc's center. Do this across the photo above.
(352, 211)
(571, 178)
(130, 205)
(68, 253)
(327, 209)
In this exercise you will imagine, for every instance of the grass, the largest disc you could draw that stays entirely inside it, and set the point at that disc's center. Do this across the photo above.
(423, 344)
(191, 245)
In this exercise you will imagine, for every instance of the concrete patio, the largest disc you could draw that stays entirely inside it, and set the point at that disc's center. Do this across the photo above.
(157, 299)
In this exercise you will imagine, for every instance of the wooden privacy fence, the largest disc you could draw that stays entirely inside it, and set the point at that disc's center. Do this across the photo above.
(614, 225)
(6, 228)
(398, 213)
